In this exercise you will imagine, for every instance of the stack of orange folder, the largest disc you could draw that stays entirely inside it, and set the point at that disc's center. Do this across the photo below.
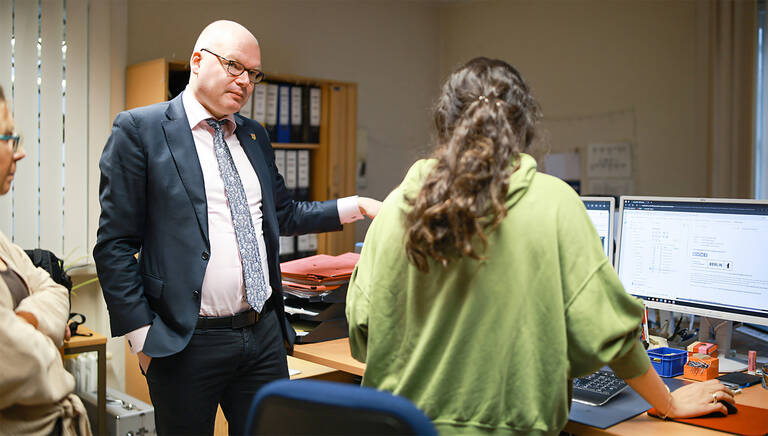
(317, 275)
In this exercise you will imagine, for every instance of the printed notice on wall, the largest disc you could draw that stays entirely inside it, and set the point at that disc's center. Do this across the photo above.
(609, 160)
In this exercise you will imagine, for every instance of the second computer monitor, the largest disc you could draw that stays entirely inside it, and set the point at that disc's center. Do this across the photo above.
(600, 210)
(693, 255)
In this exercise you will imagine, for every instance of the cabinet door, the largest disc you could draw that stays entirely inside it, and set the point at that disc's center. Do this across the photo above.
(146, 83)
(334, 163)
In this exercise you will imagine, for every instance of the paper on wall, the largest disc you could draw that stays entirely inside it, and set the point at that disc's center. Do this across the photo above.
(609, 160)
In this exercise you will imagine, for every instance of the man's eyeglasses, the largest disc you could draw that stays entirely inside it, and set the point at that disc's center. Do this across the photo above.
(14, 140)
(235, 68)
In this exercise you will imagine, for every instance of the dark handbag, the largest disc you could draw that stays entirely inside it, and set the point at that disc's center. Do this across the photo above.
(53, 265)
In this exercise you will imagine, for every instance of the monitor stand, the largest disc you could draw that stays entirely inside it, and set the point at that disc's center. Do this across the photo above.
(723, 331)
(731, 365)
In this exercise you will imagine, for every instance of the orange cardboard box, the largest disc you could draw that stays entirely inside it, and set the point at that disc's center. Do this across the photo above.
(701, 367)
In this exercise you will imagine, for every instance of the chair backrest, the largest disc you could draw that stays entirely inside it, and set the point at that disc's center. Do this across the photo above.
(319, 407)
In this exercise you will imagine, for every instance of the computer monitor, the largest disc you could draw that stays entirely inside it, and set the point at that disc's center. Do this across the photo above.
(600, 210)
(695, 255)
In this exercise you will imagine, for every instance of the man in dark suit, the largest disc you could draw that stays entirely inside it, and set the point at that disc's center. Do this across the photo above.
(192, 187)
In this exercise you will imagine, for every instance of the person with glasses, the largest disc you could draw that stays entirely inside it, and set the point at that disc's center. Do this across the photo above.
(193, 188)
(36, 392)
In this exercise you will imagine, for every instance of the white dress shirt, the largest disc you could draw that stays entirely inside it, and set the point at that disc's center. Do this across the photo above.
(223, 290)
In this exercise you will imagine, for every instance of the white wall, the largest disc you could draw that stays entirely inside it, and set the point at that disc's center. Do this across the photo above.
(603, 70)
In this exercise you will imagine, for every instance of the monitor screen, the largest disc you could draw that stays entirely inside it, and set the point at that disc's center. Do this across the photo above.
(600, 210)
(700, 256)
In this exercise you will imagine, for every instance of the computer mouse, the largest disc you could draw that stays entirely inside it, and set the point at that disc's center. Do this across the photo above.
(730, 406)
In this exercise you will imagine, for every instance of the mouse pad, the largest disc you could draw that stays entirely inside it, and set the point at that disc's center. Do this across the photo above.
(747, 421)
(627, 404)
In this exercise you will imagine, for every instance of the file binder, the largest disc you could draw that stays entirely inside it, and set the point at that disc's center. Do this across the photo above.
(280, 162)
(297, 135)
(314, 115)
(302, 171)
(305, 133)
(271, 111)
(306, 245)
(291, 182)
(287, 249)
(247, 109)
(284, 113)
(259, 98)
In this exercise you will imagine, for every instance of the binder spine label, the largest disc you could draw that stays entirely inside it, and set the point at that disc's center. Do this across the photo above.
(247, 109)
(260, 103)
(303, 169)
(285, 108)
(280, 161)
(307, 243)
(314, 107)
(296, 105)
(290, 169)
(271, 113)
(286, 245)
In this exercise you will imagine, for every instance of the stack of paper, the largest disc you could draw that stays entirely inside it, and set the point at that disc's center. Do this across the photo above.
(317, 275)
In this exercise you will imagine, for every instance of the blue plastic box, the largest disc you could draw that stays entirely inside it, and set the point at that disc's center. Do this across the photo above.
(668, 362)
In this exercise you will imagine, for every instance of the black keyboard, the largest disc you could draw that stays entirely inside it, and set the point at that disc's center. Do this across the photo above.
(597, 388)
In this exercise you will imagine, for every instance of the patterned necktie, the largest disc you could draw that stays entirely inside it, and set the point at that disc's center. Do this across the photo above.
(253, 275)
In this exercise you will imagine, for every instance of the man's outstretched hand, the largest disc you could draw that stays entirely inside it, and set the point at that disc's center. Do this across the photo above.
(368, 206)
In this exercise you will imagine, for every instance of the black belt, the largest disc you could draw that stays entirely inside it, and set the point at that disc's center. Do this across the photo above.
(236, 321)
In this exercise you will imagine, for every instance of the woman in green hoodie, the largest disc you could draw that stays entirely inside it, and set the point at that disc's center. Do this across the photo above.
(482, 289)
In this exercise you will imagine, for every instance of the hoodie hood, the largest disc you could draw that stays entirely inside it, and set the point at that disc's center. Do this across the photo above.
(519, 181)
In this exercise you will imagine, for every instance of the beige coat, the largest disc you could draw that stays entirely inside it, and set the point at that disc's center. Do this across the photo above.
(35, 389)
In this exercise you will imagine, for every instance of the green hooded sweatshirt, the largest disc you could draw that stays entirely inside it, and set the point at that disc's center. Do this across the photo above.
(490, 346)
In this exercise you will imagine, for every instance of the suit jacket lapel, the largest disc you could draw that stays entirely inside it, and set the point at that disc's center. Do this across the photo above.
(250, 143)
(255, 155)
(182, 147)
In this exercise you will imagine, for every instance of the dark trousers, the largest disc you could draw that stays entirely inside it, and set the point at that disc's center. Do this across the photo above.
(218, 366)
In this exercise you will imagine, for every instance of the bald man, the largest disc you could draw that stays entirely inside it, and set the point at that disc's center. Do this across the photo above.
(192, 187)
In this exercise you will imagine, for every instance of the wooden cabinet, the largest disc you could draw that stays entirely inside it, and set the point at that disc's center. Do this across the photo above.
(333, 159)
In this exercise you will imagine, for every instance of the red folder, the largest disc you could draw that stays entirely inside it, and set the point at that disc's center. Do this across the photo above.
(320, 269)
(747, 421)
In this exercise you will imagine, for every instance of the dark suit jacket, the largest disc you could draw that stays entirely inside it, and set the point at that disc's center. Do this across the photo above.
(153, 202)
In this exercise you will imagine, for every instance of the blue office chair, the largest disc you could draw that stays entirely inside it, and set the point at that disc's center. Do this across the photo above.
(302, 407)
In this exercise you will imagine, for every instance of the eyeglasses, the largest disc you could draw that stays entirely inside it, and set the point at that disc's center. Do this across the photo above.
(235, 68)
(14, 140)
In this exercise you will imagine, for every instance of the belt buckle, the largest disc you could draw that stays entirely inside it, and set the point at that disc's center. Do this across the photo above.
(245, 319)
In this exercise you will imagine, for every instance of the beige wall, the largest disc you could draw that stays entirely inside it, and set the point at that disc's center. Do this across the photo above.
(603, 70)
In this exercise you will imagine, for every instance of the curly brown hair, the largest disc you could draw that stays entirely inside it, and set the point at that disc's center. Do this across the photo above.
(484, 117)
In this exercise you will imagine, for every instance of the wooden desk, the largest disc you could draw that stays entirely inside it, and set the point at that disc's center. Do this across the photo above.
(97, 343)
(643, 424)
(336, 354)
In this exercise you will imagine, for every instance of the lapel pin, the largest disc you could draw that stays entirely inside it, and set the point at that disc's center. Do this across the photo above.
(253, 136)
